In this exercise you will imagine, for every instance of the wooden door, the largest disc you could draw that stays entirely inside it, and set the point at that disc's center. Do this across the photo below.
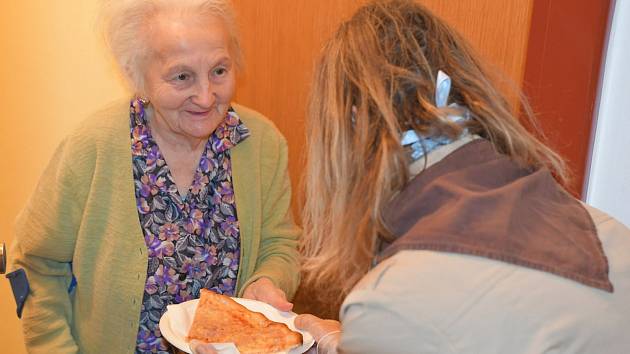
(563, 67)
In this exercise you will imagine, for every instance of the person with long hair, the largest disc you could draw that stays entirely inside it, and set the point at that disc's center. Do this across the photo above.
(436, 216)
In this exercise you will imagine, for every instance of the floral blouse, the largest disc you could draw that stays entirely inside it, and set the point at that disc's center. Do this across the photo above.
(193, 241)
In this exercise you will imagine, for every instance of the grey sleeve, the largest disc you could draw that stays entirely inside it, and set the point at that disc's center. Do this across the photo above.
(383, 316)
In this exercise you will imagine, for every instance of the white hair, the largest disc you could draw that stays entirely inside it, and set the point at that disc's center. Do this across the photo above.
(125, 23)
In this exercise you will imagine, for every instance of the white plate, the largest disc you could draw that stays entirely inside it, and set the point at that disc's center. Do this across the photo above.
(177, 320)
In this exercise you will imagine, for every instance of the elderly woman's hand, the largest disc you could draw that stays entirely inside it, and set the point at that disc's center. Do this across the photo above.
(325, 332)
(264, 290)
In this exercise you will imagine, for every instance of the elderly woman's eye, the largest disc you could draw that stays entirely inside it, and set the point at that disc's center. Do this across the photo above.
(220, 71)
(182, 77)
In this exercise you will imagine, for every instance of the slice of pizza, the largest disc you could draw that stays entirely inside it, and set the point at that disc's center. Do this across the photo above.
(220, 319)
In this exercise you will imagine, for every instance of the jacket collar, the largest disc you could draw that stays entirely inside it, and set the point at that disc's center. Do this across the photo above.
(478, 202)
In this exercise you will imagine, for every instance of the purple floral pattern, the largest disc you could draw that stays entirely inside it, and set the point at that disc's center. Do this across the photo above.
(193, 241)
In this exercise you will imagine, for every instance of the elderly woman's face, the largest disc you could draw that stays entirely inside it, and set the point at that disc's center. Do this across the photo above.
(190, 77)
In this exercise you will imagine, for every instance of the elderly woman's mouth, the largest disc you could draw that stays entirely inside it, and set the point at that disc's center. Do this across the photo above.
(199, 114)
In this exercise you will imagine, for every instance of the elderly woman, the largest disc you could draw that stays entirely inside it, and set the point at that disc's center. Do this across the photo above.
(145, 204)
(434, 212)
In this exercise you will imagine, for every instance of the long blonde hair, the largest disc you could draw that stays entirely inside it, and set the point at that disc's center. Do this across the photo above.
(376, 78)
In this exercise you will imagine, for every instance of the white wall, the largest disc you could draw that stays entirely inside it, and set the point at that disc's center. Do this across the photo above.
(608, 186)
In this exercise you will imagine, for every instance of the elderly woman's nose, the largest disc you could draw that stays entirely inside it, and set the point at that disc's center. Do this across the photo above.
(204, 95)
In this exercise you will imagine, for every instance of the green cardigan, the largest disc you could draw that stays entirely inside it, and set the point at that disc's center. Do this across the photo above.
(84, 210)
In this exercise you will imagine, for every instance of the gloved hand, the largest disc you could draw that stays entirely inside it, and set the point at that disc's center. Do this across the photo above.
(198, 347)
(325, 332)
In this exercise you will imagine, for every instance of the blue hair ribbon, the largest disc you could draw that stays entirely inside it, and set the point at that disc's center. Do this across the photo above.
(421, 145)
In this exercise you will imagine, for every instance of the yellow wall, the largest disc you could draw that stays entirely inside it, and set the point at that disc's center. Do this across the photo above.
(53, 71)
